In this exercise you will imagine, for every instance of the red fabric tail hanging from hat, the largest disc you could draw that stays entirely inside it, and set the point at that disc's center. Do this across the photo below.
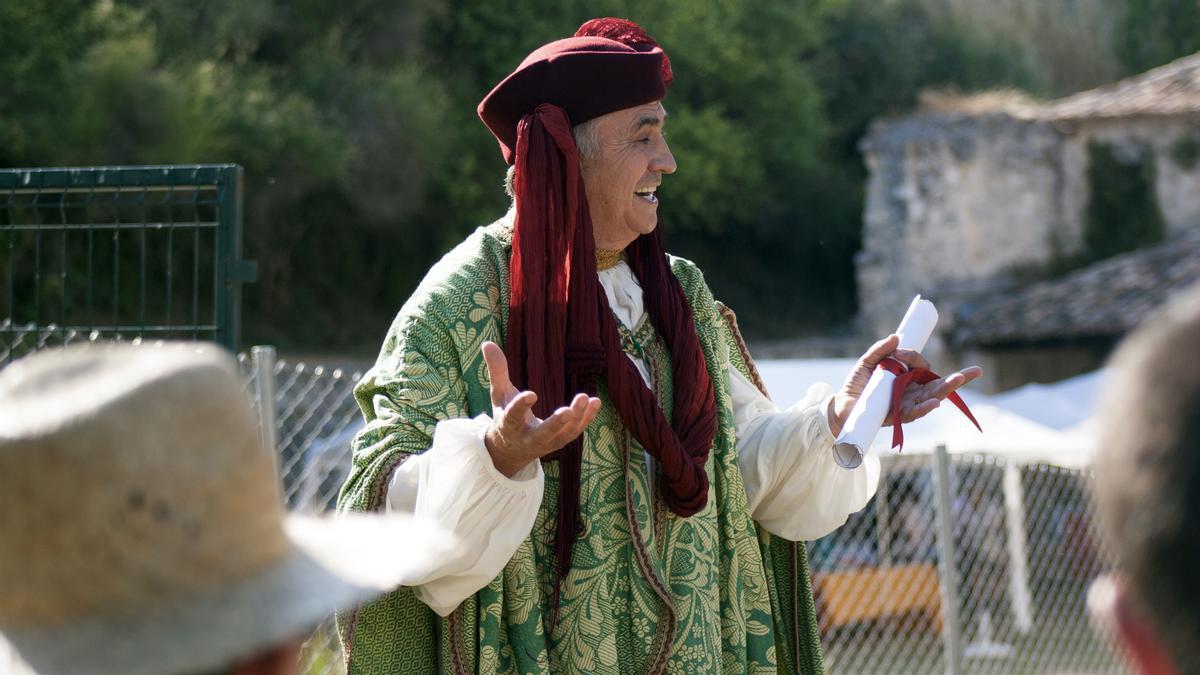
(561, 334)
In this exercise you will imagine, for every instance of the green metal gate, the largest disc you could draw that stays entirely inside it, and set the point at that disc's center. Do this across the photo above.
(149, 252)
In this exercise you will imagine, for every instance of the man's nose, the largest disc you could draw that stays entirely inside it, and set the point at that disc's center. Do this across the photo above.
(664, 161)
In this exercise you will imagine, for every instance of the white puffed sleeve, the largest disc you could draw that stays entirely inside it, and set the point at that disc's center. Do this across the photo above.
(456, 484)
(794, 488)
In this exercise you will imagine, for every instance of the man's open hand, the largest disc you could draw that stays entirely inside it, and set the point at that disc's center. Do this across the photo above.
(917, 401)
(517, 437)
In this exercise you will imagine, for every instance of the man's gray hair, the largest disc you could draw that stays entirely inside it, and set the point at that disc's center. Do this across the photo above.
(587, 139)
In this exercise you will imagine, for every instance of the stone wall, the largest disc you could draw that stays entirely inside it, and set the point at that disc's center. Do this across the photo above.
(961, 206)
(1159, 139)
(953, 203)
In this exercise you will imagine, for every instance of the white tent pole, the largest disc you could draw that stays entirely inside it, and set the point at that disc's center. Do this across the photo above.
(1014, 503)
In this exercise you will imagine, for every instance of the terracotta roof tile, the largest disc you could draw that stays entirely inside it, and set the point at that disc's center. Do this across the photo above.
(1173, 89)
(1106, 299)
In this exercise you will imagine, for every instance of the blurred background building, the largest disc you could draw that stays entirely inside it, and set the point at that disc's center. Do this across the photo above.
(1043, 231)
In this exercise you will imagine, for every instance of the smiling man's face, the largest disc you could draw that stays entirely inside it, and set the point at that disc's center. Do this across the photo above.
(621, 174)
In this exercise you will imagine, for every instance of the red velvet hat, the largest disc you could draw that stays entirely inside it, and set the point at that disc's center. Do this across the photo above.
(586, 75)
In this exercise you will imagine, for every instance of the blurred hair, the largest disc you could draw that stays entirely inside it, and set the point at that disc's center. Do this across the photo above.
(587, 140)
(1148, 473)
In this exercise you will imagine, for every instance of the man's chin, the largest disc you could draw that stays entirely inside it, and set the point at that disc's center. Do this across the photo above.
(645, 226)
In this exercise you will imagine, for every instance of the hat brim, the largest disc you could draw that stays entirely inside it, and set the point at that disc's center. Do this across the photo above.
(332, 563)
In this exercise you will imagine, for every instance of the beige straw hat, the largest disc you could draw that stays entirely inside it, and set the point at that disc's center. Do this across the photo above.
(140, 523)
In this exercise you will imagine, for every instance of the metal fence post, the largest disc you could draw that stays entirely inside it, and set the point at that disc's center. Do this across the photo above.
(264, 388)
(948, 569)
(233, 271)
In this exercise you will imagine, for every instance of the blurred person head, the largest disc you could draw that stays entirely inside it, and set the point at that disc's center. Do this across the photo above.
(1148, 492)
(142, 526)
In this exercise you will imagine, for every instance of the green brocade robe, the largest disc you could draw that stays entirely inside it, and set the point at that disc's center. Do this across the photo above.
(648, 591)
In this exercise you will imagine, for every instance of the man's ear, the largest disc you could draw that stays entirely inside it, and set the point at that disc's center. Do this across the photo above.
(282, 659)
(1113, 607)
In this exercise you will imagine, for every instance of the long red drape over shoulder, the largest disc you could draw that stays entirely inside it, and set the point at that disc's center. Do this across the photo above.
(562, 335)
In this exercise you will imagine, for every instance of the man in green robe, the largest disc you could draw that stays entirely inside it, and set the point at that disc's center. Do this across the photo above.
(631, 499)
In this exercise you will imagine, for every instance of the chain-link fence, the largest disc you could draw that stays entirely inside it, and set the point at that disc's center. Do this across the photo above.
(1021, 538)
(314, 418)
(1024, 550)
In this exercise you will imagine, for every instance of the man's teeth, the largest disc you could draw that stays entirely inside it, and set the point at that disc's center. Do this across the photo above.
(645, 192)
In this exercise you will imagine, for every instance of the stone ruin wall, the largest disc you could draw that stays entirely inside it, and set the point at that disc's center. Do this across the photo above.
(961, 206)
(1177, 186)
(951, 203)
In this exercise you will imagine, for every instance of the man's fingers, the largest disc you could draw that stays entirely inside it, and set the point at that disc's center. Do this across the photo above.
(570, 415)
(530, 437)
(970, 373)
(593, 409)
(926, 398)
(567, 422)
(879, 351)
(555, 431)
(497, 367)
(518, 411)
(942, 388)
(591, 406)
(910, 358)
(579, 404)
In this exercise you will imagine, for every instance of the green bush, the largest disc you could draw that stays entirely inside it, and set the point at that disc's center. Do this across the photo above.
(1155, 32)
(1122, 211)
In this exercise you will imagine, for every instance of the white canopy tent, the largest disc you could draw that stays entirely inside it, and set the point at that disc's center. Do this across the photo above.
(1066, 404)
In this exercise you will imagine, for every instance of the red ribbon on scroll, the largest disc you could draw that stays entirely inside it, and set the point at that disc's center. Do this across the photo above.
(920, 376)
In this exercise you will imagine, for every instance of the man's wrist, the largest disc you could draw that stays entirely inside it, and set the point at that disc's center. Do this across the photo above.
(506, 465)
(836, 413)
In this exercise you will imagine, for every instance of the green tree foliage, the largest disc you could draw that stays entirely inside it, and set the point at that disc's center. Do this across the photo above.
(365, 160)
(1155, 32)
(1070, 42)
(339, 128)
(1122, 212)
(880, 55)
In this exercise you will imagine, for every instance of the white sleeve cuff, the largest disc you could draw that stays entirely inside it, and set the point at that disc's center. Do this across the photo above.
(794, 487)
(456, 484)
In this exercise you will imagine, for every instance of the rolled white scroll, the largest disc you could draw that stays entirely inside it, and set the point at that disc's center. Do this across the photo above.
(868, 413)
